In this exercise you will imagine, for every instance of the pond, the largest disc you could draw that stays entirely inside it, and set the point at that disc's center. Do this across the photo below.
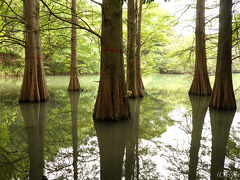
(169, 136)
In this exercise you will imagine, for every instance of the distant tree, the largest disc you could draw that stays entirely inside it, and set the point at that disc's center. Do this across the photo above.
(74, 82)
(112, 102)
(138, 45)
(34, 86)
(132, 84)
(223, 95)
(200, 84)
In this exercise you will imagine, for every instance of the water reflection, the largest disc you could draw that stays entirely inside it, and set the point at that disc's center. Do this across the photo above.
(199, 109)
(74, 97)
(34, 115)
(220, 122)
(115, 138)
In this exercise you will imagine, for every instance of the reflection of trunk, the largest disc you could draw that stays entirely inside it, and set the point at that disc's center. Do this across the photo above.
(223, 95)
(34, 86)
(199, 109)
(74, 97)
(221, 122)
(112, 141)
(74, 83)
(35, 122)
(111, 102)
(138, 47)
(200, 84)
(131, 59)
(132, 139)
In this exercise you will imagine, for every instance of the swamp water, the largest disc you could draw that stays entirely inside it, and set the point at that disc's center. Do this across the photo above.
(169, 136)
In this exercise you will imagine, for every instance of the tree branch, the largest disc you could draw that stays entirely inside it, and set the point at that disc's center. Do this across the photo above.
(65, 20)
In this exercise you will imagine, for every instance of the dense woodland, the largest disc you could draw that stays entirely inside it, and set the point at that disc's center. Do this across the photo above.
(117, 43)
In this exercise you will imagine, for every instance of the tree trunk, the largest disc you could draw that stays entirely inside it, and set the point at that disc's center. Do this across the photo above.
(138, 48)
(200, 84)
(199, 109)
(74, 97)
(223, 95)
(131, 59)
(220, 123)
(34, 87)
(34, 115)
(112, 102)
(74, 83)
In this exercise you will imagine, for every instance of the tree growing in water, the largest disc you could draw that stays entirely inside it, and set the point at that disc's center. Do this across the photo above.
(200, 84)
(111, 103)
(34, 87)
(138, 45)
(132, 84)
(74, 82)
(223, 96)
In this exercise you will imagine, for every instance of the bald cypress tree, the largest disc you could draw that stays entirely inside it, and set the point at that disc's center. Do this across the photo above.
(200, 84)
(34, 86)
(223, 95)
(112, 102)
(74, 82)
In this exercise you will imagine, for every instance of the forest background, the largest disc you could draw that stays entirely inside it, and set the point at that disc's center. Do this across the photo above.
(167, 45)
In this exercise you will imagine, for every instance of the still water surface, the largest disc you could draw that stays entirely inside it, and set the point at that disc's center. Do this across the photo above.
(169, 136)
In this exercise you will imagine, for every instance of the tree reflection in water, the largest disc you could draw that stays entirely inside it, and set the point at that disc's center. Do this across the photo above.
(115, 138)
(34, 115)
(199, 109)
(220, 122)
(74, 98)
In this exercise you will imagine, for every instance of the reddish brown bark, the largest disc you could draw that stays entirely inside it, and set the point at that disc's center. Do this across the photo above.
(200, 84)
(34, 86)
(131, 59)
(138, 47)
(223, 95)
(112, 102)
(74, 82)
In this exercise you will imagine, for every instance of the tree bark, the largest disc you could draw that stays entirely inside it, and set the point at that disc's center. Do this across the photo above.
(131, 59)
(34, 87)
(200, 84)
(220, 123)
(223, 96)
(74, 82)
(112, 102)
(138, 47)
